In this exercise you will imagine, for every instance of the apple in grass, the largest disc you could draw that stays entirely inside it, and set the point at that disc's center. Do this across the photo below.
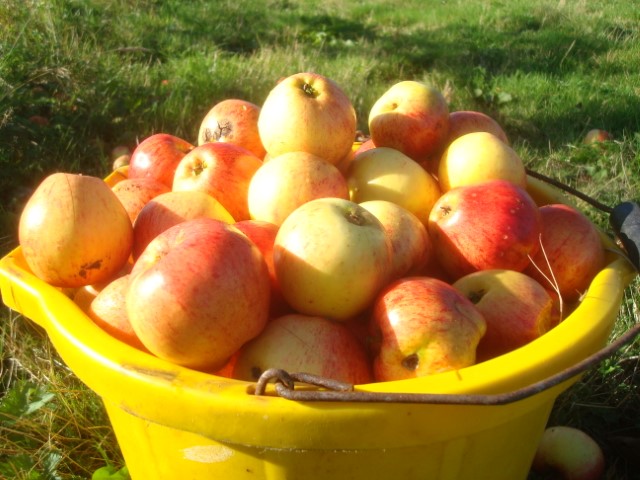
(571, 252)
(223, 170)
(422, 326)
(477, 157)
(516, 307)
(411, 249)
(289, 180)
(234, 121)
(263, 234)
(198, 292)
(134, 193)
(308, 112)
(384, 173)
(303, 343)
(488, 225)
(596, 135)
(331, 258)
(157, 157)
(411, 117)
(74, 231)
(170, 208)
(569, 453)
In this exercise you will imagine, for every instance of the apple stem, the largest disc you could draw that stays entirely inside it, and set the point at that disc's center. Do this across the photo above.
(309, 90)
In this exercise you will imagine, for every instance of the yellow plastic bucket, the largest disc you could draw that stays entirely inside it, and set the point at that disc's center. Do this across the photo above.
(175, 423)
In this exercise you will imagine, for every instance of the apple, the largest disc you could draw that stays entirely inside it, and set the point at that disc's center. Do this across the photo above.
(308, 112)
(569, 452)
(488, 225)
(170, 208)
(462, 122)
(121, 161)
(157, 157)
(198, 292)
(571, 251)
(134, 193)
(331, 258)
(108, 310)
(477, 157)
(411, 248)
(516, 307)
(384, 173)
(263, 234)
(74, 231)
(223, 170)
(287, 181)
(234, 121)
(423, 326)
(411, 117)
(596, 135)
(302, 343)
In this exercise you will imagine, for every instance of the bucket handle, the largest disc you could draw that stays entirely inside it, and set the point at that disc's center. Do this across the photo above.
(337, 391)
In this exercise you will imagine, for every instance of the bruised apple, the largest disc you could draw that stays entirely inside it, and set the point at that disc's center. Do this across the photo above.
(157, 157)
(309, 344)
(571, 252)
(287, 181)
(198, 292)
(74, 231)
(411, 248)
(223, 170)
(310, 113)
(488, 225)
(171, 208)
(516, 307)
(331, 257)
(233, 120)
(422, 326)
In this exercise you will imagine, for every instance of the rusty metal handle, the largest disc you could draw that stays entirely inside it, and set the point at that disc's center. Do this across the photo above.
(335, 391)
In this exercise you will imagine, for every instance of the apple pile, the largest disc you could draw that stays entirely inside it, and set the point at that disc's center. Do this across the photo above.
(276, 241)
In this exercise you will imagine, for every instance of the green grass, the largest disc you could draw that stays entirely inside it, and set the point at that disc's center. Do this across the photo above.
(105, 73)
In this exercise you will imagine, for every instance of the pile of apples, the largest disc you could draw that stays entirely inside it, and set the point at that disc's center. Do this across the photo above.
(277, 241)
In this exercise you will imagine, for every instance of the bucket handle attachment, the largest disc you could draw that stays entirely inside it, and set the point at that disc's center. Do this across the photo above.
(337, 391)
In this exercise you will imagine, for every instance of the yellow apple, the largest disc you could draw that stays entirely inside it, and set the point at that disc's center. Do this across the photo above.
(287, 181)
(384, 173)
(310, 113)
(410, 243)
(477, 157)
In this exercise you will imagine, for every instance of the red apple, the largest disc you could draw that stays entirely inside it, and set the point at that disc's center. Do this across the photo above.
(134, 193)
(234, 121)
(488, 225)
(309, 344)
(596, 135)
(411, 117)
(571, 252)
(422, 326)
(170, 208)
(223, 170)
(516, 307)
(468, 121)
(263, 234)
(157, 157)
(74, 231)
(198, 292)
(331, 257)
(108, 310)
(310, 113)
(570, 453)
(287, 181)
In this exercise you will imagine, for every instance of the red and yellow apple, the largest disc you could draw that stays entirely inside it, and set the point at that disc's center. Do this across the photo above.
(422, 326)
(331, 258)
(157, 157)
(310, 113)
(74, 231)
(223, 170)
(198, 292)
(289, 180)
(234, 121)
(134, 193)
(488, 225)
(303, 343)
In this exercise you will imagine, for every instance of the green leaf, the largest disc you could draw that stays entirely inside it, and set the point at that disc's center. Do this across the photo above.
(21, 400)
(109, 472)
